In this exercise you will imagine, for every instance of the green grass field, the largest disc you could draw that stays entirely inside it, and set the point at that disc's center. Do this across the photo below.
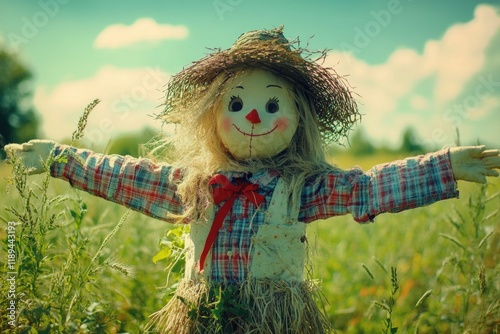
(84, 265)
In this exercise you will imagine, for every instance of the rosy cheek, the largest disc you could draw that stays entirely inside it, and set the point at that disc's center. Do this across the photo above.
(281, 124)
(226, 124)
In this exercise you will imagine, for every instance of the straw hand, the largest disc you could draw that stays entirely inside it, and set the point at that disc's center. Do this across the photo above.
(32, 154)
(474, 163)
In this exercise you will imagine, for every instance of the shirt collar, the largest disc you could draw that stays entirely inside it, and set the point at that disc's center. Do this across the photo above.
(263, 177)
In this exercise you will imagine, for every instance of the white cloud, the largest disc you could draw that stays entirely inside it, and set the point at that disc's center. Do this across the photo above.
(380, 86)
(143, 29)
(128, 98)
(447, 64)
(387, 131)
(418, 102)
(487, 107)
(460, 53)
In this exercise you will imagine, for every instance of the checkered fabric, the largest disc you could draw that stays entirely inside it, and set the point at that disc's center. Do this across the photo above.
(150, 188)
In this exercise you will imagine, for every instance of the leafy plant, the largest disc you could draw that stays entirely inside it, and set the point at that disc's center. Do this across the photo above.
(84, 265)
(466, 279)
(388, 305)
(53, 287)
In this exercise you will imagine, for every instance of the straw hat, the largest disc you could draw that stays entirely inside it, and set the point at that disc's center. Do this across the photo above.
(268, 49)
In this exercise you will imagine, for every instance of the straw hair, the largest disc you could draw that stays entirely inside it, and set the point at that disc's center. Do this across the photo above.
(324, 104)
(198, 152)
(326, 112)
(335, 107)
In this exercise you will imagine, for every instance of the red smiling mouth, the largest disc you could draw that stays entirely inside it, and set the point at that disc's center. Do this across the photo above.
(252, 134)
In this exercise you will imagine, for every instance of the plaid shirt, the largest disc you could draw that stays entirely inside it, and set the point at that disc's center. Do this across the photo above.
(150, 188)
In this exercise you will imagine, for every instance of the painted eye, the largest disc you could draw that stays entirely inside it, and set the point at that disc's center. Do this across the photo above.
(272, 105)
(235, 104)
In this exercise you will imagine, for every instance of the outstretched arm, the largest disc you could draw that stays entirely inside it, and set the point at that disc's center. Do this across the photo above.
(396, 186)
(138, 184)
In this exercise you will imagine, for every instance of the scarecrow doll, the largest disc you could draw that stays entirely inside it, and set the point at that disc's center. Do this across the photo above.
(250, 175)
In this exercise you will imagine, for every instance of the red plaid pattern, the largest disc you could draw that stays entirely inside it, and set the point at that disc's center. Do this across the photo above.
(138, 184)
(391, 187)
(150, 188)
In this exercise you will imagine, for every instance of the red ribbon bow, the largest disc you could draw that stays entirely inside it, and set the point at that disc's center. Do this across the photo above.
(227, 192)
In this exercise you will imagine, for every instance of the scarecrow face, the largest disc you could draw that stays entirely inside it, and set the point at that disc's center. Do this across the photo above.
(258, 117)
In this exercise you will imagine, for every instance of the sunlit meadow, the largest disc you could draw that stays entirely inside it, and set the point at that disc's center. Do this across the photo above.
(85, 265)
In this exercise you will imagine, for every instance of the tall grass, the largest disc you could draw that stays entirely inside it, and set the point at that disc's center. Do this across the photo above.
(447, 261)
(84, 265)
(61, 265)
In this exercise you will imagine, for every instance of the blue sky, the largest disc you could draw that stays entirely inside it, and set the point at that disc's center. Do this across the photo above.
(431, 65)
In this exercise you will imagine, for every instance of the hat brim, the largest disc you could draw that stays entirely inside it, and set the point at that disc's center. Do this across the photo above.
(329, 93)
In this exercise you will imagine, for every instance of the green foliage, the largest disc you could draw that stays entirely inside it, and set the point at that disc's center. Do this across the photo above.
(361, 146)
(62, 264)
(128, 144)
(171, 254)
(219, 310)
(82, 122)
(19, 122)
(447, 268)
(410, 143)
(84, 265)
(468, 275)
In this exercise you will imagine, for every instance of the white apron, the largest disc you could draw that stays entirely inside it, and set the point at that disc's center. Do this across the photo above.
(274, 298)
(276, 252)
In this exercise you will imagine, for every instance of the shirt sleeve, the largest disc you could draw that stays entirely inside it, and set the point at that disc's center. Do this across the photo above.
(138, 184)
(391, 187)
